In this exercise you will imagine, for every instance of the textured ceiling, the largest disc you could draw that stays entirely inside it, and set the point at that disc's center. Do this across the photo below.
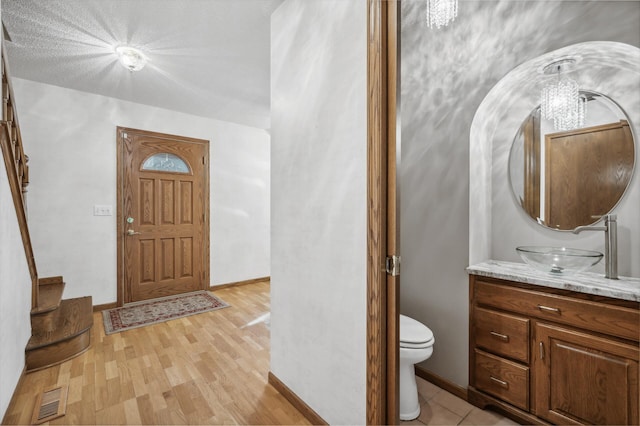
(207, 57)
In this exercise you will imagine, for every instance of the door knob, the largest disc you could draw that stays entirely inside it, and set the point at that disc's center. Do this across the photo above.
(132, 232)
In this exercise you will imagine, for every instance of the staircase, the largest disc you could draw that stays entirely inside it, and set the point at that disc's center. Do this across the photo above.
(60, 329)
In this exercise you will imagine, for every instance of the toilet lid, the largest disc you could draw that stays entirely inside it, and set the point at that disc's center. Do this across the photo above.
(405, 345)
(413, 333)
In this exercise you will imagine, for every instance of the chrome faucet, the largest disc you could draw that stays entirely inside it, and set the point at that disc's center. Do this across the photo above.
(610, 229)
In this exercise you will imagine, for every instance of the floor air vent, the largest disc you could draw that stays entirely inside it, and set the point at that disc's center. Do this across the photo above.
(50, 404)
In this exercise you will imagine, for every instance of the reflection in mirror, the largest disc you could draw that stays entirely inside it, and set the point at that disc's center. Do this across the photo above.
(567, 179)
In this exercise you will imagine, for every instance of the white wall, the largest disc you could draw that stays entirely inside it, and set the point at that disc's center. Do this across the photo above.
(70, 137)
(15, 295)
(445, 75)
(319, 216)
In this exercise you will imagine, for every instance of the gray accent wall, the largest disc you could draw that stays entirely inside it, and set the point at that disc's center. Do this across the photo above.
(445, 76)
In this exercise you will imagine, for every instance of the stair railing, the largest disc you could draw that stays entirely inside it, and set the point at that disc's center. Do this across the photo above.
(16, 163)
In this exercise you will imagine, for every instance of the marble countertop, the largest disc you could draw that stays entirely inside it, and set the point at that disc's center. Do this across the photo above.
(586, 282)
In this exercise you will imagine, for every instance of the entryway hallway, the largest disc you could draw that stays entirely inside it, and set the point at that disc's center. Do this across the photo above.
(209, 368)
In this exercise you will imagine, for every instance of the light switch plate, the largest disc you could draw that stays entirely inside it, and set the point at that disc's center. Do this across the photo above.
(102, 210)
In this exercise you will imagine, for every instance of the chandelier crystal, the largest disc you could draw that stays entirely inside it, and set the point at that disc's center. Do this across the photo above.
(562, 103)
(441, 12)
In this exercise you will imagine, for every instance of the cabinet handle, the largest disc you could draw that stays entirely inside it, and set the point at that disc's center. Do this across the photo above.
(548, 309)
(500, 336)
(541, 351)
(500, 382)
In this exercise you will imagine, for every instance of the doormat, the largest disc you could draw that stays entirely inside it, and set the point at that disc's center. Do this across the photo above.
(147, 312)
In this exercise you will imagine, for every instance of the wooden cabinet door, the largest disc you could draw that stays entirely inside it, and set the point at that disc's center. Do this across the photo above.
(584, 379)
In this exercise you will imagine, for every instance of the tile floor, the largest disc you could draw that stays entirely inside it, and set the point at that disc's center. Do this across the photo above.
(439, 407)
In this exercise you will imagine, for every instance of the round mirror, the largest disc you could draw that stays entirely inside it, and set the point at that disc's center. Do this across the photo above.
(565, 179)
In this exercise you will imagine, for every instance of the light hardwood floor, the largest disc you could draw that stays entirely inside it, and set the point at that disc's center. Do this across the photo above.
(209, 368)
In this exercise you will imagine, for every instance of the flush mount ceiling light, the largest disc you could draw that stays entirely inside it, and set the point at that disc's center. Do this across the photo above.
(131, 58)
(441, 13)
(561, 101)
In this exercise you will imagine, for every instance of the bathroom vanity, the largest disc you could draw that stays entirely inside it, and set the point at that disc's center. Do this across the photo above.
(563, 350)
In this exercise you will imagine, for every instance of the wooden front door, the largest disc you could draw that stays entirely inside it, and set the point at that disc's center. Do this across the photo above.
(163, 228)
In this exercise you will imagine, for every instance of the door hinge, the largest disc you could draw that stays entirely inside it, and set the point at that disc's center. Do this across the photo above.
(392, 265)
(204, 160)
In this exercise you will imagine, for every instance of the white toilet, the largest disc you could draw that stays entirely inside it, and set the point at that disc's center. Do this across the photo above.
(416, 345)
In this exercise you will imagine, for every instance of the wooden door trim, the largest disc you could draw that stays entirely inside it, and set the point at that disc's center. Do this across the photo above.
(393, 221)
(382, 291)
(121, 290)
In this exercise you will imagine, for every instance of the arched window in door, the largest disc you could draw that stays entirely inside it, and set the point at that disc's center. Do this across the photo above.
(166, 162)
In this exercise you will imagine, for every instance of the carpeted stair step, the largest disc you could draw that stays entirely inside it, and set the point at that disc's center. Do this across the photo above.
(61, 334)
(49, 295)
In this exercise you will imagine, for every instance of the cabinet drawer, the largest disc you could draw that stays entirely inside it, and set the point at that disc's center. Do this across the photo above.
(502, 334)
(590, 315)
(502, 378)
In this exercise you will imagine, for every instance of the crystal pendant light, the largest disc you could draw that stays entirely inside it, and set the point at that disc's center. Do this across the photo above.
(561, 101)
(131, 58)
(441, 12)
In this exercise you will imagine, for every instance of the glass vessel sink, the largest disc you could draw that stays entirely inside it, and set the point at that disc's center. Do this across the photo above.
(558, 260)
